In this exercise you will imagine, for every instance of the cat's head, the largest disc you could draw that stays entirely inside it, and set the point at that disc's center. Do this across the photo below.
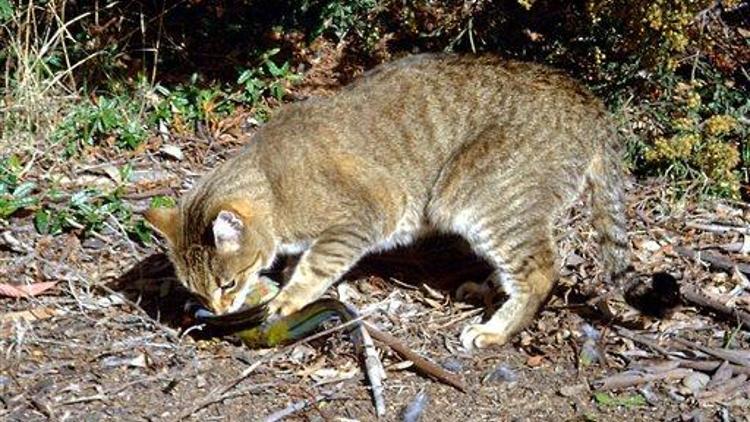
(217, 258)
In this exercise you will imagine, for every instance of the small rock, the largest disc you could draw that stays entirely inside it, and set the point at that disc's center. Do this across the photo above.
(651, 246)
(172, 151)
(696, 382)
(453, 365)
(138, 361)
(200, 381)
(649, 395)
(574, 260)
(302, 353)
(501, 374)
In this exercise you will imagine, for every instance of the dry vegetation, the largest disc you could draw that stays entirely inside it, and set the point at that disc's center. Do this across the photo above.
(110, 107)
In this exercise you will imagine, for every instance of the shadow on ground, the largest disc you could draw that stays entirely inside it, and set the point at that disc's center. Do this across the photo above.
(442, 263)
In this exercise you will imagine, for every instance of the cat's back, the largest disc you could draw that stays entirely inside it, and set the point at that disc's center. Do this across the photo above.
(412, 114)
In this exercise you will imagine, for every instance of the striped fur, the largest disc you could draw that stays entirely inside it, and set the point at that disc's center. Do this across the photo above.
(490, 149)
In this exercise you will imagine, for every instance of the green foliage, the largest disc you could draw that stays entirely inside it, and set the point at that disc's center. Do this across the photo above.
(268, 79)
(671, 69)
(624, 400)
(189, 104)
(341, 17)
(6, 11)
(14, 194)
(109, 119)
(163, 202)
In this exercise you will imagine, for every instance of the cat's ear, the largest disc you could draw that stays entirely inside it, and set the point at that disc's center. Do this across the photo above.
(228, 229)
(166, 221)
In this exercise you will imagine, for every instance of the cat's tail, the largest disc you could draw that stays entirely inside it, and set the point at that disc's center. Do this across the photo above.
(605, 180)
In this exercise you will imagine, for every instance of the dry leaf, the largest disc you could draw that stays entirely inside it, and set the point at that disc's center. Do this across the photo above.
(30, 315)
(34, 289)
(535, 361)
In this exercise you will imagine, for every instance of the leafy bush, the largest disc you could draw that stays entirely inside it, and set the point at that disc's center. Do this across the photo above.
(672, 70)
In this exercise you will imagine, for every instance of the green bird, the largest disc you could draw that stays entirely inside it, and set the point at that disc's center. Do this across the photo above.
(253, 328)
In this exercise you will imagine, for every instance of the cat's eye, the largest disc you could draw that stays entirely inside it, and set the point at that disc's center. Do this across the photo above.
(229, 285)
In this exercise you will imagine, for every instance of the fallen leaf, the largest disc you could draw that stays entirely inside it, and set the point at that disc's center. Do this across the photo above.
(173, 151)
(34, 289)
(30, 315)
(534, 361)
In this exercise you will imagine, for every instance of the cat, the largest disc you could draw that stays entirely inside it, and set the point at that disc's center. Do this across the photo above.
(490, 149)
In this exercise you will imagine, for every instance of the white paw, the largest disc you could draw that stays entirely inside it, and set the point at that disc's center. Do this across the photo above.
(479, 336)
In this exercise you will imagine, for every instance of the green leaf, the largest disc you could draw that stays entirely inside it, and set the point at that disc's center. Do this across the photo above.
(142, 232)
(245, 76)
(6, 11)
(41, 222)
(162, 202)
(23, 190)
(625, 400)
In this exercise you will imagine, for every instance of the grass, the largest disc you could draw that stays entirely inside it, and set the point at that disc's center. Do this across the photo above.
(49, 120)
(66, 98)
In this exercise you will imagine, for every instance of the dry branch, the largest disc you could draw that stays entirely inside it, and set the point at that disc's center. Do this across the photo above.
(630, 379)
(727, 355)
(691, 295)
(711, 366)
(420, 363)
(714, 260)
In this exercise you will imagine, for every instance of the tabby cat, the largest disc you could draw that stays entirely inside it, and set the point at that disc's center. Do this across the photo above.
(489, 149)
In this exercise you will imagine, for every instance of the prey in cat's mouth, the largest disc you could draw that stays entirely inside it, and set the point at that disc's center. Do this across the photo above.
(252, 311)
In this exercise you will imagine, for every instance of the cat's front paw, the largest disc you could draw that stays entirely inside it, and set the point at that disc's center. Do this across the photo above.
(479, 336)
(283, 305)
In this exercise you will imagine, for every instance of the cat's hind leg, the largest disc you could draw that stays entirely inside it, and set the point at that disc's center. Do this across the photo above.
(527, 270)
(502, 194)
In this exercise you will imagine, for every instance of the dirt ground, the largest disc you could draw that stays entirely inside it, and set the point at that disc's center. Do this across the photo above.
(111, 341)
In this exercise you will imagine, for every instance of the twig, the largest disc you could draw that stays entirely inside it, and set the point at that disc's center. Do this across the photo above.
(714, 260)
(375, 371)
(723, 390)
(95, 397)
(719, 353)
(216, 394)
(629, 379)
(717, 228)
(426, 366)
(691, 295)
(646, 341)
(293, 408)
(711, 366)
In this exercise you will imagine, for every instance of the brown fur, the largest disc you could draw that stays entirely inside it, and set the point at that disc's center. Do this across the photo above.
(490, 149)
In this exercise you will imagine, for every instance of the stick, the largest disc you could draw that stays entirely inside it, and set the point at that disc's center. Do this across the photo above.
(293, 408)
(692, 295)
(625, 380)
(714, 260)
(723, 390)
(711, 366)
(717, 228)
(646, 341)
(375, 371)
(719, 353)
(213, 396)
(421, 363)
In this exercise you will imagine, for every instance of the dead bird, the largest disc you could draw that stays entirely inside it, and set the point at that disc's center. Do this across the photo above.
(489, 149)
